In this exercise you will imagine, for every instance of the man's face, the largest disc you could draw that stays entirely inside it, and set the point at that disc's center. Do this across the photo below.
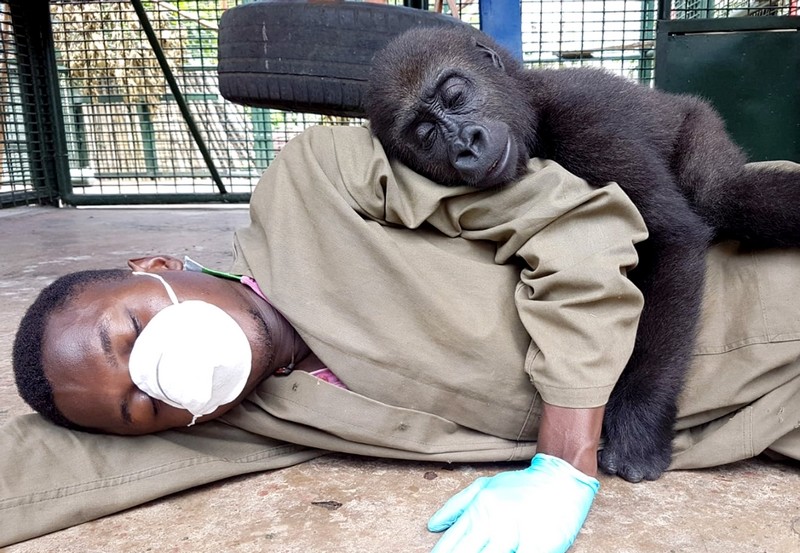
(88, 343)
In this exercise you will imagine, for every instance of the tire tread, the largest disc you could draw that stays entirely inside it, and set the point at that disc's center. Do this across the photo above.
(316, 57)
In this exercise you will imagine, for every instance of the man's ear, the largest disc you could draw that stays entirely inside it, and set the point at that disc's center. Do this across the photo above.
(156, 264)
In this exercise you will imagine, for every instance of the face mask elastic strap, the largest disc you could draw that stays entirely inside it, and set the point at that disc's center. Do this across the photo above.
(170, 291)
(191, 265)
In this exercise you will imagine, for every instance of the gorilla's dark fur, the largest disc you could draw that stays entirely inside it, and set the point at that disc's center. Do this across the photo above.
(455, 107)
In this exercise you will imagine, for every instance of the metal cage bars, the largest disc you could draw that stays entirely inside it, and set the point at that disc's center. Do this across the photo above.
(116, 102)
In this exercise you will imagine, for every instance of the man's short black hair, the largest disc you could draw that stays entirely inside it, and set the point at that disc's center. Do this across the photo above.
(32, 384)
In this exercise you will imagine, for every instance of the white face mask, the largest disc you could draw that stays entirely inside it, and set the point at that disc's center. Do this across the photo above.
(191, 355)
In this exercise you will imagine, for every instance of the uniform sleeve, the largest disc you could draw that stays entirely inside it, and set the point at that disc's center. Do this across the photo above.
(576, 301)
(574, 244)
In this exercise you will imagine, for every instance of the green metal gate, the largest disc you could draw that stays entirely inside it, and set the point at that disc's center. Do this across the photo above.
(744, 57)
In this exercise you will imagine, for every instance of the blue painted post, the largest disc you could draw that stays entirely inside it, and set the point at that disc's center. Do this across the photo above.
(502, 20)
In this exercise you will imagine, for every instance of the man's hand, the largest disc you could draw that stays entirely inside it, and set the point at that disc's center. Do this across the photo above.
(536, 510)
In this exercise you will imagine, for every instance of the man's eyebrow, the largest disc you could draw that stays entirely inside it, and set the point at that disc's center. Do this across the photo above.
(125, 411)
(105, 342)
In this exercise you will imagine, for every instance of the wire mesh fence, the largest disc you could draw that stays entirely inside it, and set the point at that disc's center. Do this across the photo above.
(617, 35)
(125, 131)
(132, 134)
(704, 9)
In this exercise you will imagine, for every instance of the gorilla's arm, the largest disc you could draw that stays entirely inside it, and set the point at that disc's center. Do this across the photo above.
(641, 412)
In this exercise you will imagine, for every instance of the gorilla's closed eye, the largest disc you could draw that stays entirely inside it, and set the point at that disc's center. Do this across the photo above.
(453, 92)
(425, 134)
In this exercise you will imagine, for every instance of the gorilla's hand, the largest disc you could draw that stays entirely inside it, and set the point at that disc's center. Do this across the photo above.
(536, 510)
(638, 443)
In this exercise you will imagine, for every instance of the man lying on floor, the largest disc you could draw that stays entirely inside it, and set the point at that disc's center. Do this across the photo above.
(370, 311)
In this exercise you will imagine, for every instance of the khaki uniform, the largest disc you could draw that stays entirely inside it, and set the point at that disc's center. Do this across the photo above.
(448, 336)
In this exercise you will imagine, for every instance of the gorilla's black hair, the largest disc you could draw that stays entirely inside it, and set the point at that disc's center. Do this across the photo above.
(32, 383)
(456, 108)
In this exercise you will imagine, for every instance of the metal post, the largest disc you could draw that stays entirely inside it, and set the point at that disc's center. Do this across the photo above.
(148, 133)
(81, 148)
(648, 34)
(664, 9)
(262, 129)
(176, 92)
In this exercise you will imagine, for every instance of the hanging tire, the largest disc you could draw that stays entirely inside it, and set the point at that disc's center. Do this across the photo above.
(305, 56)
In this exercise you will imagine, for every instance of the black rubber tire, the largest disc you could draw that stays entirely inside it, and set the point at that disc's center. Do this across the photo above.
(305, 56)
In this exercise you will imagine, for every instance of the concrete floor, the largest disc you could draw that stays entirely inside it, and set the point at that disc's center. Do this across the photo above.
(339, 503)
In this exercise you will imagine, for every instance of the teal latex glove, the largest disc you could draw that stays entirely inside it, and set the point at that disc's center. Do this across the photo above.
(536, 510)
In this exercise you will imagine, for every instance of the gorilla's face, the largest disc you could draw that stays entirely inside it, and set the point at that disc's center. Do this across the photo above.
(439, 101)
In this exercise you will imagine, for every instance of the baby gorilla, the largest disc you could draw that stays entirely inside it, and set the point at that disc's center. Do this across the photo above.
(455, 107)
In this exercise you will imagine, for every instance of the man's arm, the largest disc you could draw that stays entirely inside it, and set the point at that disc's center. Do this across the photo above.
(581, 312)
(572, 435)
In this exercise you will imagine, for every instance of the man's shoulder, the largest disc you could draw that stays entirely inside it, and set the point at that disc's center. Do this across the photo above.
(336, 137)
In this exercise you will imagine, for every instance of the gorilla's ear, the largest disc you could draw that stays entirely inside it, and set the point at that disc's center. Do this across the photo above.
(487, 51)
